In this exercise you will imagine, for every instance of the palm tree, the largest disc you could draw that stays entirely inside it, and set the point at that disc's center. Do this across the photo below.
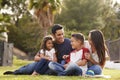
(45, 11)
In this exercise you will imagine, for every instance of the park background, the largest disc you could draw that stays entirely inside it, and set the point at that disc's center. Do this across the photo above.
(25, 22)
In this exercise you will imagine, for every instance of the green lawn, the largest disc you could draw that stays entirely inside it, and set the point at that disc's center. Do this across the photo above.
(115, 74)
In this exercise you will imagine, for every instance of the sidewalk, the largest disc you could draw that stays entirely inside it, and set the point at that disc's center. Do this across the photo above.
(112, 65)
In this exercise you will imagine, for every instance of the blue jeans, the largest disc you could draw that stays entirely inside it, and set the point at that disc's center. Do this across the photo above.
(96, 69)
(42, 66)
(27, 69)
(63, 62)
(72, 69)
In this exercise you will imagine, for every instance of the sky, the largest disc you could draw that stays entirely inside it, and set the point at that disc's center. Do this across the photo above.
(117, 1)
(10, 12)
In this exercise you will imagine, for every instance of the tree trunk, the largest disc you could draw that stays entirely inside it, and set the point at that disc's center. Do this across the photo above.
(45, 29)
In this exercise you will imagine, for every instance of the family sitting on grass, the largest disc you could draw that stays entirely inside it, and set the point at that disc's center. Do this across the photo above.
(63, 57)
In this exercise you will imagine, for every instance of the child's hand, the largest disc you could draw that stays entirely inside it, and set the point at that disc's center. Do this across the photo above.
(48, 58)
(65, 56)
(65, 66)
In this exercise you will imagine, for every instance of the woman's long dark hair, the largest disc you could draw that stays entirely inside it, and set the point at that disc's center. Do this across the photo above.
(99, 44)
(43, 45)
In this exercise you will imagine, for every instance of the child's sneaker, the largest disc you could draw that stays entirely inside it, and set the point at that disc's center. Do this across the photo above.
(90, 72)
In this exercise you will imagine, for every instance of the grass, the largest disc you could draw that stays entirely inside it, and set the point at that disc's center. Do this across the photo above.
(115, 74)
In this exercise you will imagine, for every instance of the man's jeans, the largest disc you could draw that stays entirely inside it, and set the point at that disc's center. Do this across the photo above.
(72, 69)
(42, 66)
(27, 69)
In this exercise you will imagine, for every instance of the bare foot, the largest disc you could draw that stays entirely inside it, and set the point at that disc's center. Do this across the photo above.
(34, 73)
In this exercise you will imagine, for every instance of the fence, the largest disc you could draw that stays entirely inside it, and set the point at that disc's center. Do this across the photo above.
(114, 50)
(6, 53)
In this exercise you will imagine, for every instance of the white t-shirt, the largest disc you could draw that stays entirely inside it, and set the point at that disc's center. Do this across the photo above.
(79, 55)
(96, 58)
(49, 53)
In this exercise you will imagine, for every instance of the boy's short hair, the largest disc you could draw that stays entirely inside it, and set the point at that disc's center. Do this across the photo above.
(56, 27)
(79, 36)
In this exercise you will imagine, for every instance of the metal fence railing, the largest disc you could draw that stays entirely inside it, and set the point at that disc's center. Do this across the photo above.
(114, 50)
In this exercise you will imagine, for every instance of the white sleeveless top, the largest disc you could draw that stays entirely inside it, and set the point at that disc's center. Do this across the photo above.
(49, 53)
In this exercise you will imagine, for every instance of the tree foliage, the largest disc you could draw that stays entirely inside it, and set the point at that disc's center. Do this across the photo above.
(24, 31)
(28, 36)
(77, 16)
(45, 11)
(84, 15)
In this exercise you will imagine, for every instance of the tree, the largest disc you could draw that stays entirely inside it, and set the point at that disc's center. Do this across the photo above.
(110, 20)
(24, 32)
(84, 15)
(45, 11)
(27, 36)
(15, 9)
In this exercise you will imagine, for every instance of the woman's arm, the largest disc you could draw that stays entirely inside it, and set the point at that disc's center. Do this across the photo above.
(107, 56)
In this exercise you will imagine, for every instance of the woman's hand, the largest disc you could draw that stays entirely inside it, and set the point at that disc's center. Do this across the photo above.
(88, 56)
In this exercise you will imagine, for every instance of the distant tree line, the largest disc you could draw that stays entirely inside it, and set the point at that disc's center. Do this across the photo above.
(84, 15)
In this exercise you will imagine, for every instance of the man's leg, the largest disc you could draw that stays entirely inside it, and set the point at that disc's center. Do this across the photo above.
(56, 67)
(42, 66)
(28, 69)
(50, 72)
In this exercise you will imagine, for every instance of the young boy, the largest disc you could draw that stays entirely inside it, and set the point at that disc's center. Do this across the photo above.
(76, 62)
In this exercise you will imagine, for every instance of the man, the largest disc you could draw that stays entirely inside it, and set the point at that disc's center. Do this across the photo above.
(62, 45)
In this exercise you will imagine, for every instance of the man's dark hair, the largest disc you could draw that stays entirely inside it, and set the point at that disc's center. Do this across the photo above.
(56, 27)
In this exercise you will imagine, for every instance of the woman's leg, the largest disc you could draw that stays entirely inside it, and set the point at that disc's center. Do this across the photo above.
(94, 70)
(56, 67)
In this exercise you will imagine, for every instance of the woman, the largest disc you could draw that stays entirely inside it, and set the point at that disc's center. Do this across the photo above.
(96, 60)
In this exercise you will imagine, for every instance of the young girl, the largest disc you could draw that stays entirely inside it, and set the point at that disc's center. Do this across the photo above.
(77, 64)
(99, 53)
(47, 54)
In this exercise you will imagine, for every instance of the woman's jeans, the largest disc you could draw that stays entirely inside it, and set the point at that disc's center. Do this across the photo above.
(72, 69)
(94, 70)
